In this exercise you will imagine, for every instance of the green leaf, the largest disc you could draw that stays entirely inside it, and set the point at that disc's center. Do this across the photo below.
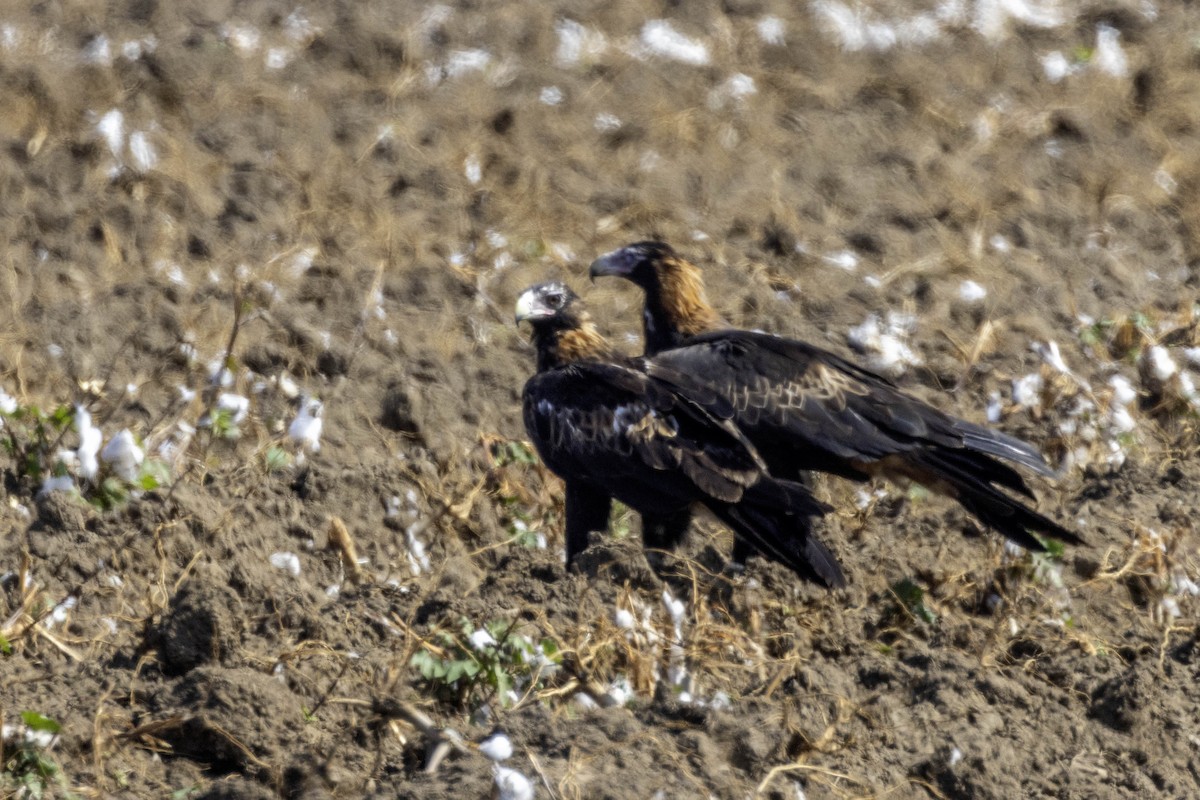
(429, 666)
(5, 646)
(917, 493)
(1054, 548)
(62, 416)
(154, 473)
(276, 458)
(912, 597)
(37, 722)
(455, 670)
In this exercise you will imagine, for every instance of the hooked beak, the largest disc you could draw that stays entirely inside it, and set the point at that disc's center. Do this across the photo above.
(616, 263)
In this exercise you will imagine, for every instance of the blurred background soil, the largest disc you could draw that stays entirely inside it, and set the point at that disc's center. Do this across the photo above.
(342, 200)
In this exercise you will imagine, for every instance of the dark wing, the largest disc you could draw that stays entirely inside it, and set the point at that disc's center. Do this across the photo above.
(613, 427)
(807, 408)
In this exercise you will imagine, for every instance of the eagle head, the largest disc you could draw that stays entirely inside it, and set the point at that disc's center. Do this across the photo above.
(546, 303)
(640, 262)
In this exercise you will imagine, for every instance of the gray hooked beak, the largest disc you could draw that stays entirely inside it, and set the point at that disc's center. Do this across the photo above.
(616, 263)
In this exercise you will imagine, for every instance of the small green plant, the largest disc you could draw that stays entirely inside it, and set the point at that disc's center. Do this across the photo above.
(35, 438)
(29, 771)
(221, 422)
(620, 520)
(473, 665)
(31, 436)
(276, 459)
(910, 602)
(507, 452)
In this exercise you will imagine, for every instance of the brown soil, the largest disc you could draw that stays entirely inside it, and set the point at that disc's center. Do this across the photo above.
(336, 198)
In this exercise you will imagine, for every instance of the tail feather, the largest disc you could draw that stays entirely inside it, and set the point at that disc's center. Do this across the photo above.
(1000, 445)
(775, 516)
(983, 468)
(1009, 516)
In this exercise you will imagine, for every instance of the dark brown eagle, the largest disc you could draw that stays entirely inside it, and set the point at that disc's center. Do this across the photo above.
(805, 408)
(609, 429)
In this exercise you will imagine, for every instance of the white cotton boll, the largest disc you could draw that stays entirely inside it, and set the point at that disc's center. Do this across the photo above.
(90, 439)
(1158, 364)
(98, 51)
(219, 374)
(623, 619)
(771, 30)
(1181, 584)
(111, 128)
(59, 483)
(995, 408)
(473, 169)
(278, 57)
(971, 292)
(1050, 354)
(37, 740)
(550, 96)
(584, 700)
(1165, 181)
(8, 403)
(481, 639)
(1013, 550)
(236, 405)
(842, 259)
(991, 17)
(287, 385)
(676, 608)
(462, 62)
(497, 748)
(123, 455)
(1121, 420)
(1170, 608)
(1123, 392)
(862, 337)
(512, 785)
(145, 158)
(244, 38)
(59, 615)
(894, 356)
(577, 43)
(1027, 390)
(607, 123)
(418, 559)
(660, 38)
(740, 86)
(620, 691)
(1186, 387)
(305, 429)
(287, 561)
(1109, 57)
(1056, 66)
(955, 757)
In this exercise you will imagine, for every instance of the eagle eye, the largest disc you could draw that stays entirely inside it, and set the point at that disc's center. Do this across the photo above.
(554, 300)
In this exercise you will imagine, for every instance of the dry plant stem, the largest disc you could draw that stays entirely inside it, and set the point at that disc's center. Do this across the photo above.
(324, 697)
(537, 767)
(340, 540)
(441, 741)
